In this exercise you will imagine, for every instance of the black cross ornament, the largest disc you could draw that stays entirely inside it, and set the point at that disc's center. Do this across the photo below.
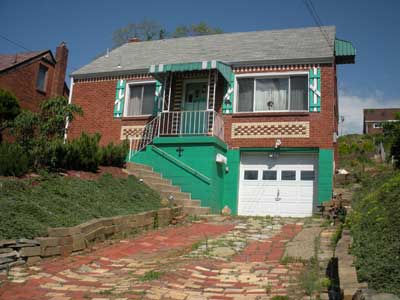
(180, 150)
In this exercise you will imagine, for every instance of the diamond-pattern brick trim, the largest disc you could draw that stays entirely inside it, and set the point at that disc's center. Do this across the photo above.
(131, 132)
(271, 130)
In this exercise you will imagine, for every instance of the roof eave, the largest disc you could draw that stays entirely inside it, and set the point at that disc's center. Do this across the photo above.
(320, 60)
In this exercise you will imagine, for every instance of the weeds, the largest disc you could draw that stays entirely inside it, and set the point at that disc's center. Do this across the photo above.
(151, 275)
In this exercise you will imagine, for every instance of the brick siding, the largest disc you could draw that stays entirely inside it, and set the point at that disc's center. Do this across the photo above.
(97, 100)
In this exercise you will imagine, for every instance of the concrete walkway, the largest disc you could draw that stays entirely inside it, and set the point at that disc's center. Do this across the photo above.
(234, 259)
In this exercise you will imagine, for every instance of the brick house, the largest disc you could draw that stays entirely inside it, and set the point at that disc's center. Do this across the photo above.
(35, 76)
(375, 117)
(245, 120)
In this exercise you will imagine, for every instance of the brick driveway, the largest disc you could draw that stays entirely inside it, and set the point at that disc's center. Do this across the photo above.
(234, 259)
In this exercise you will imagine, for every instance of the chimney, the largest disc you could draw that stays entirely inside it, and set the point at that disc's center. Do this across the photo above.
(134, 40)
(60, 70)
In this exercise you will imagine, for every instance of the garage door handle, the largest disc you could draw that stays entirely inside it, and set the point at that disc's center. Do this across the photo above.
(277, 198)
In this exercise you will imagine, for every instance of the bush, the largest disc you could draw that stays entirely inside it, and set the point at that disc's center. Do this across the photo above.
(114, 155)
(13, 160)
(83, 153)
(9, 109)
(375, 226)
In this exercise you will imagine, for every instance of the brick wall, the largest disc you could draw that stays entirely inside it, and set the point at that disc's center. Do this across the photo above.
(322, 124)
(22, 82)
(97, 100)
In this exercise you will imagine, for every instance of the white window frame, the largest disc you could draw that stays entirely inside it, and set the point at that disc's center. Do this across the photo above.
(377, 125)
(269, 75)
(127, 96)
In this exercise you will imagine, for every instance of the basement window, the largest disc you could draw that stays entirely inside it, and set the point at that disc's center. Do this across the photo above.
(140, 99)
(41, 81)
(268, 94)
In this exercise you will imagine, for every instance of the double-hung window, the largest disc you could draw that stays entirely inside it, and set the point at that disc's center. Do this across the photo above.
(140, 99)
(265, 94)
(41, 81)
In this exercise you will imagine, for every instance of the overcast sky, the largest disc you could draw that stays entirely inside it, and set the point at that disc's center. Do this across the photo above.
(87, 26)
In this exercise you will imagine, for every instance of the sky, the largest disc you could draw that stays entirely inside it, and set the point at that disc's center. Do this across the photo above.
(87, 26)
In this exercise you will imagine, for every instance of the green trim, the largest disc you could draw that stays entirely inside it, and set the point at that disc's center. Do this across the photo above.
(284, 149)
(343, 48)
(227, 102)
(231, 181)
(180, 164)
(157, 97)
(314, 107)
(325, 175)
(223, 68)
(119, 98)
(190, 140)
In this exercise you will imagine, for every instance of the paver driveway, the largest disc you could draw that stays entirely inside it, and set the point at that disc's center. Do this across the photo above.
(234, 259)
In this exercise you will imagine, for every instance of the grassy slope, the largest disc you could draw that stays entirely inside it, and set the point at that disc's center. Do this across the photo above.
(27, 211)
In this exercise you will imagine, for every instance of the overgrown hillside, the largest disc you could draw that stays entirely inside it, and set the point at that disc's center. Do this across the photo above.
(29, 207)
(375, 220)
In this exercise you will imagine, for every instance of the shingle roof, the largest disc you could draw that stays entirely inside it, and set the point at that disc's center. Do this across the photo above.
(380, 114)
(9, 60)
(302, 44)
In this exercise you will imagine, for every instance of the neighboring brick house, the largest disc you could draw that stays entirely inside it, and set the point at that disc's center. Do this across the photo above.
(375, 117)
(35, 76)
(245, 120)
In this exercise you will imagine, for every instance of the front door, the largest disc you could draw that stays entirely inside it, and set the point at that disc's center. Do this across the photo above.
(195, 115)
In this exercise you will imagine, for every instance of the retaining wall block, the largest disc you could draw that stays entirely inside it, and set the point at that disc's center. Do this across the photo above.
(63, 231)
(30, 251)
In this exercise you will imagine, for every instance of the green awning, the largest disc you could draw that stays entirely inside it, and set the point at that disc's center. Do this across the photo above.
(345, 52)
(223, 68)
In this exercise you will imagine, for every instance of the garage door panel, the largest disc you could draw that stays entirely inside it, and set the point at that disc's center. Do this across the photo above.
(278, 197)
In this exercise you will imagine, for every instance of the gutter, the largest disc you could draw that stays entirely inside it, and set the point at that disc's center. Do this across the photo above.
(69, 102)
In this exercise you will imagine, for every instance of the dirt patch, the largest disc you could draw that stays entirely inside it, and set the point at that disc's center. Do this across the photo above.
(114, 171)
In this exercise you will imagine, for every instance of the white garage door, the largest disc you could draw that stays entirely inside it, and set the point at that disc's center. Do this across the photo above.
(277, 186)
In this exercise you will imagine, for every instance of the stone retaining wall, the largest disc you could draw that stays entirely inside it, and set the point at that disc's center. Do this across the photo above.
(65, 240)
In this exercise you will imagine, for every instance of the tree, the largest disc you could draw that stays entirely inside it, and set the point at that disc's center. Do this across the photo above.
(53, 115)
(391, 131)
(145, 30)
(9, 109)
(152, 30)
(201, 28)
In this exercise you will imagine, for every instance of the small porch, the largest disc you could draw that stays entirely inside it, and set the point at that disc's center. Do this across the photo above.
(189, 101)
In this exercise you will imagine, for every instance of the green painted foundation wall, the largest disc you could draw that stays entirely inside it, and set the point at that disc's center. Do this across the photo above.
(325, 175)
(199, 154)
(231, 181)
(217, 185)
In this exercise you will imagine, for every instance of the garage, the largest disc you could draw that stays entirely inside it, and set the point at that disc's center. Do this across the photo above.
(277, 184)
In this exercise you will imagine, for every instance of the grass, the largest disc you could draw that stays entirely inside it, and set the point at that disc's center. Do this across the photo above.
(151, 275)
(29, 207)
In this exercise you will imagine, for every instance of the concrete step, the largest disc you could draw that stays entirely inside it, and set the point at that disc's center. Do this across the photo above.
(196, 211)
(165, 187)
(145, 173)
(136, 166)
(196, 203)
(150, 180)
(176, 195)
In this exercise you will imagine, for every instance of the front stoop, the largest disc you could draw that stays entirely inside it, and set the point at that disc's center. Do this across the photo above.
(166, 188)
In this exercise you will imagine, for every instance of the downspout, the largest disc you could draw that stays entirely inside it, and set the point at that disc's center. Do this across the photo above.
(69, 102)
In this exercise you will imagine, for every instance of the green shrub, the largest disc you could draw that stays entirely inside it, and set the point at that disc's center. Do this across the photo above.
(83, 153)
(13, 160)
(375, 226)
(114, 155)
(9, 109)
